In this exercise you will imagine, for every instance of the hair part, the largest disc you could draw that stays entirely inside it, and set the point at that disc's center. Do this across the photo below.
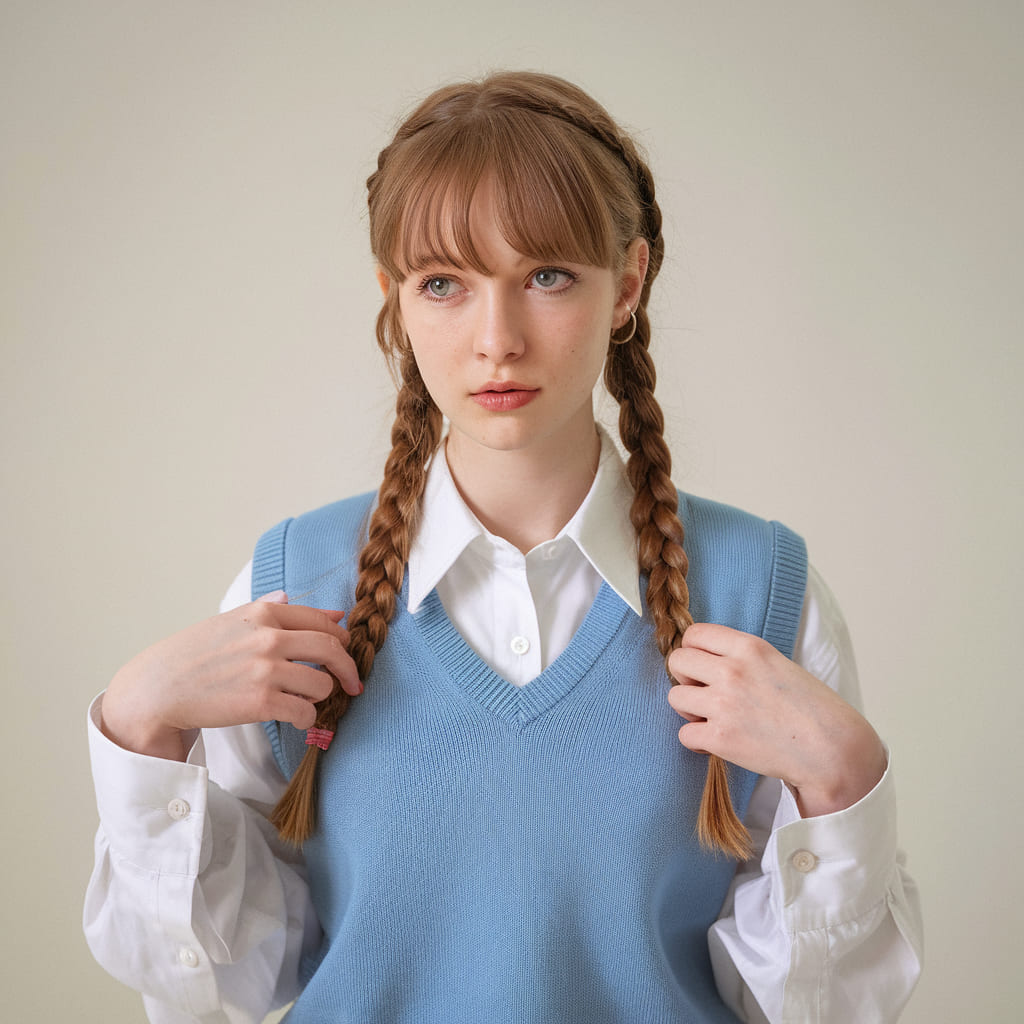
(568, 185)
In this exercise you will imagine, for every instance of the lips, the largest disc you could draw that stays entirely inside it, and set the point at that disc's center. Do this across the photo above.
(504, 395)
(503, 385)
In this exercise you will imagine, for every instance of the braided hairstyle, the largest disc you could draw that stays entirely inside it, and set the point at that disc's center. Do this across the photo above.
(569, 185)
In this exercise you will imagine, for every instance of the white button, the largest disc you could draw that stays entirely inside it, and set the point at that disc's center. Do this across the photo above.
(804, 861)
(178, 809)
(520, 645)
(188, 957)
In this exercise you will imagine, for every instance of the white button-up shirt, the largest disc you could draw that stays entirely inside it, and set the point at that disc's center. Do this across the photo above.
(519, 612)
(195, 902)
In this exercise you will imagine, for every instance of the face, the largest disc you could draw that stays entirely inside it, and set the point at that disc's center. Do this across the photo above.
(511, 357)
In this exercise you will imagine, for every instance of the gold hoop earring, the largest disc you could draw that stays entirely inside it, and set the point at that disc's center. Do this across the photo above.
(632, 331)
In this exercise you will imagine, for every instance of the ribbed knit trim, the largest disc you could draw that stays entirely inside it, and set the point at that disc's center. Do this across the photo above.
(268, 561)
(273, 731)
(268, 576)
(788, 586)
(496, 694)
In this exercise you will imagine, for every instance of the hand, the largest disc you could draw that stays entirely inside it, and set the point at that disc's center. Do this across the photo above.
(749, 704)
(232, 669)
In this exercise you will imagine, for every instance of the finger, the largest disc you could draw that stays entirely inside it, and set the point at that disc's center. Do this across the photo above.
(710, 637)
(694, 736)
(350, 681)
(334, 614)
(689, 717)
(323, 649)
(692, 702)
(695, 665)
(302, 617)
(295, 710)
(305, 681)
(274, 597)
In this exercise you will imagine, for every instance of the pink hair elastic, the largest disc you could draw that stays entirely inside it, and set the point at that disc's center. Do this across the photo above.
(319, 738)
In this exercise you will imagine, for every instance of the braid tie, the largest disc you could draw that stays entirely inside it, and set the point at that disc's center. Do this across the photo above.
(414, 437)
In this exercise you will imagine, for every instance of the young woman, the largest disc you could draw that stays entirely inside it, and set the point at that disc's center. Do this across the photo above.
(519, 820)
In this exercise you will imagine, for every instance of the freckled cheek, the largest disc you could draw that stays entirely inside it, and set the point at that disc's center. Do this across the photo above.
(439, 371)
(581, 334)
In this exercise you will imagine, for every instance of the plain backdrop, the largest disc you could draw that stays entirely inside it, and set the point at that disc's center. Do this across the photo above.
(186, 314)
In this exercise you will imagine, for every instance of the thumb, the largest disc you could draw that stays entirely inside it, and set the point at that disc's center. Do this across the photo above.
(274, 597)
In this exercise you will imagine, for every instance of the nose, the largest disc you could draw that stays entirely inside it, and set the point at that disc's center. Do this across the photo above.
(500, 330)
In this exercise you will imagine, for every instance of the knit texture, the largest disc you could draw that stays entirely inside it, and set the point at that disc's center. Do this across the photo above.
(502, 853)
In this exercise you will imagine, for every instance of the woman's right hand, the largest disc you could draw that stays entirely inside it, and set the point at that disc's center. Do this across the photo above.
(233, 669)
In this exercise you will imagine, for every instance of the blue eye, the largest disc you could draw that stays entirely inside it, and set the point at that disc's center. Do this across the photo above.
(439, 287)
(550, 279)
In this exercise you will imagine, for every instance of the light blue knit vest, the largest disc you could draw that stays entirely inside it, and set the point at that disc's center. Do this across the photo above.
(493, 853)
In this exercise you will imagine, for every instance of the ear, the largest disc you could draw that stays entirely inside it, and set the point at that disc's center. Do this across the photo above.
(384, 281)
(634, 272)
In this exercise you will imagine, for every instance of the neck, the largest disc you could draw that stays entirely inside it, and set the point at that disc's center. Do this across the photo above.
(525, 496)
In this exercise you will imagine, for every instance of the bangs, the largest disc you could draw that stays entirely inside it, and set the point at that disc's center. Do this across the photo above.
(551, 184)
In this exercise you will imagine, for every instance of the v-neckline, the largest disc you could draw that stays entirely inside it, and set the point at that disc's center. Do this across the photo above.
(495, 693)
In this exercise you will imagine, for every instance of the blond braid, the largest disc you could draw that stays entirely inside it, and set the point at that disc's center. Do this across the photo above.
(414, 437)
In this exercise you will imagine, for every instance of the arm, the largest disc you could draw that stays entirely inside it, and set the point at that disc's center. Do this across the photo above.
(193, 900)
(823, 924)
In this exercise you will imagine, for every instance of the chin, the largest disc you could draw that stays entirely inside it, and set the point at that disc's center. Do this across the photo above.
(503, 437)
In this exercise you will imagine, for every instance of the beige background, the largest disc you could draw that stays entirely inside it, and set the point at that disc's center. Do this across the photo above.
(186, 305)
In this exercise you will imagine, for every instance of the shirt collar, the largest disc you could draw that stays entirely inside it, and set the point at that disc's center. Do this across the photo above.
(600, 528)
(446, 529)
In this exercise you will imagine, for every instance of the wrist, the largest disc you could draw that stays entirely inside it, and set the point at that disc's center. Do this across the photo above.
(852, 771)
(127, 725)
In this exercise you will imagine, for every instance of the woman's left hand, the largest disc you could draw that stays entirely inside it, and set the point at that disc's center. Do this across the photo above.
(751, 705)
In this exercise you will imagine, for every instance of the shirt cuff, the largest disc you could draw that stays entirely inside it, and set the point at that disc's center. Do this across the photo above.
(152, 810)
(834, 867)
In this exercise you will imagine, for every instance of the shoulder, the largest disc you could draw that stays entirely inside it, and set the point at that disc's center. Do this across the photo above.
(337, 514)
(714, 529)
(342, 517)
(721, 523)
(298, 551)
(744, 567)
